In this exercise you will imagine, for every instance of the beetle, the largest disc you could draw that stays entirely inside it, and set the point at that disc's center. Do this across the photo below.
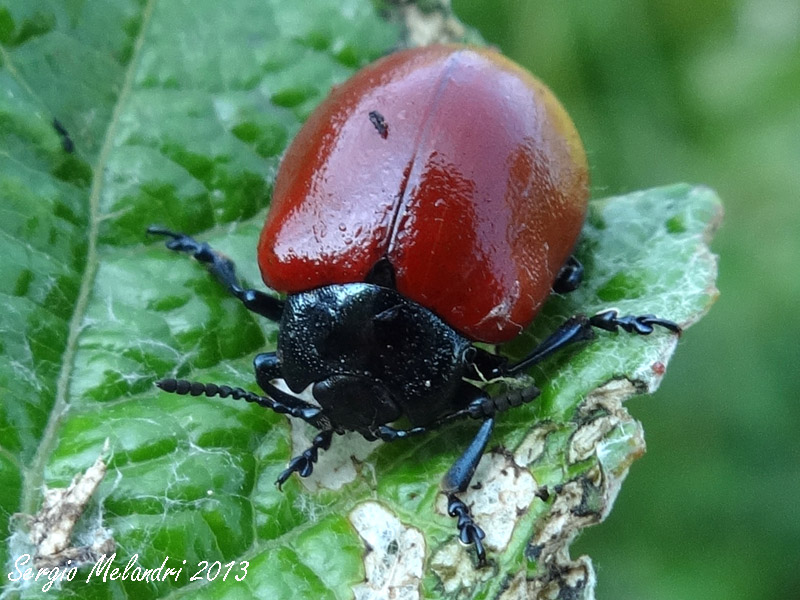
(431, 202)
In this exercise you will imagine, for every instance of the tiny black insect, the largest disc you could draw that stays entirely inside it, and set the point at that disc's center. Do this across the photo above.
(380, 123)
(66, 140)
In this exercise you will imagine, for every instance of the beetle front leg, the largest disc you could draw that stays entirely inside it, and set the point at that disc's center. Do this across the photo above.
(456, 481)
(224, 270)
(303, 465)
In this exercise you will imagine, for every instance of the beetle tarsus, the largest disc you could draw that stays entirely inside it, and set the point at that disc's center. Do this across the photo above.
(610, 320)
(469, 533)
(303, 465)
(457, 480)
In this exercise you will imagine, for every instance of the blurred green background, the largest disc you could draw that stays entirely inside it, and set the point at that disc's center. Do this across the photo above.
(704, 92)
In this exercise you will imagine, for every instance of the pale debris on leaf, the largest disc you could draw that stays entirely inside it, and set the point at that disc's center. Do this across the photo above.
(532, 447)
(607, 448)
(574, 579)
(565, 518)
(431, 27)
(611, 395)
(587, 499)
(584, 441)
(517, 589)
(500, 493)
(394, 558)
(455, 569)
(593, 437)
(50, 530)
(557, 575)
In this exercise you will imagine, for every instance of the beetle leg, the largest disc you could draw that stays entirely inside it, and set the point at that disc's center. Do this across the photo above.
(569, 277)
(224, 270)
(642, 324)
(579, 328)
(457, 479)
(303, 465)
(575, 329)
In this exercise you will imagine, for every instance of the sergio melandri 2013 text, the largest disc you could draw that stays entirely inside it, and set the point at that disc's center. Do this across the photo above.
(132, 571)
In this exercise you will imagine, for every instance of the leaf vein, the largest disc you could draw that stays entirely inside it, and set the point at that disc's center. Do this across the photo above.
(34, 476)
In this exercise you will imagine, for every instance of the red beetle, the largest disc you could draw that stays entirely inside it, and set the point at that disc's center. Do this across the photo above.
(431, 201)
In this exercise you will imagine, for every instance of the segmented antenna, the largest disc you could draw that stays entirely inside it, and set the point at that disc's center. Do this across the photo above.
(308, 413)
(486, 407)
(183, 387)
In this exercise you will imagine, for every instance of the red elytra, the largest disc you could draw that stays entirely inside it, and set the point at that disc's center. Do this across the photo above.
(476, 192)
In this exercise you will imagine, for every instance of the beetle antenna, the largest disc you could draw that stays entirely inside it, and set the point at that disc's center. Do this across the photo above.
(487, 406)
(182, 387)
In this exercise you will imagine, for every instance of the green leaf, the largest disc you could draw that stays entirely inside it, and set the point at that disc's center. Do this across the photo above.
(178, 113)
